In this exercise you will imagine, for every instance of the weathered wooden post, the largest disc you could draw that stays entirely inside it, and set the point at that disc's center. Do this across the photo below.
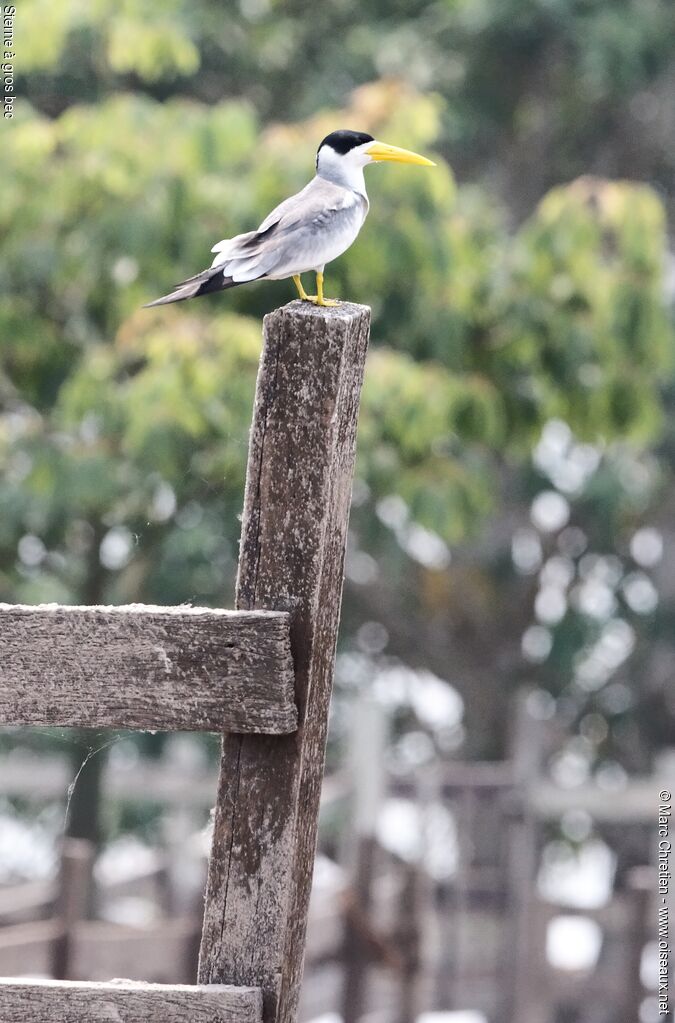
(408, 935)
(640, 888)
(368, 745)
(73, 900)
(528, 995)
(298, 489)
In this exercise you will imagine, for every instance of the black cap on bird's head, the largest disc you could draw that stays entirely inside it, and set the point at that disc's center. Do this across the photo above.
(358, 148)
(344, 140)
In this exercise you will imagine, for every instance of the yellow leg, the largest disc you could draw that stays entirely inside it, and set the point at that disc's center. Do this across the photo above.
(320, 300)
(317, 299)
(297, 280)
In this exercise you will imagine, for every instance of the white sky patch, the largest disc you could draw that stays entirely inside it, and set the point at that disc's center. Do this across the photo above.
(646, 547)
(124, 859)
(190, 515)
(419, 543)
(372, 638)
(17, 465)
(360, 567)
(124, 270)
(436, 703)
(425, 547)
(116, 547)
(442, 842)
(567, 464)
(649, 968)
(399, 828)
(594, 599)
(420, 834)
(550, 605)
(550, 511)
(556, 438)
(605, 568)
(163, 502)
(392, 511)
(31, 550)
(328, 875)
(526, 551)
(557, 571)
(597, 663)
(637, 476)
(611, 776)
(353, 669)
(540, 705)
(27, 850)
(415, 749)
(571, 767)
(640, 593)
(577, 878)
(536, 643)
(576, 825)
(90, 428)
(573, 943)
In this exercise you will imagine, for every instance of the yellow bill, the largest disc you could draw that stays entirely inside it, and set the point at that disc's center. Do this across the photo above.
(380, 152)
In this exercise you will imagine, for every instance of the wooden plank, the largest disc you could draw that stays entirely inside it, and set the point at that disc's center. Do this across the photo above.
(159, 952)
(28, 900)
(145, 667)
(480, 775)
(64, 1001)
(36, 778)
(296, 508)
(27, 947)
(632, 805)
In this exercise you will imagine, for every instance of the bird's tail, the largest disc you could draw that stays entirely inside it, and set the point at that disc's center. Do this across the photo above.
(202, 283)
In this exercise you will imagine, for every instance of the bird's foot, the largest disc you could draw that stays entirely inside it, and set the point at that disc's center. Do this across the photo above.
(320, 300)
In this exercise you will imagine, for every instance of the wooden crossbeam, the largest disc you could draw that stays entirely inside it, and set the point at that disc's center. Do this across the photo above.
(161, 951)
(126, 1002)
(144, 667)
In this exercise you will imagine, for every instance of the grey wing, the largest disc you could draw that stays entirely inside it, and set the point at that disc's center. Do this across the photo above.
(247, 244)
(306, 230)
(286, 208)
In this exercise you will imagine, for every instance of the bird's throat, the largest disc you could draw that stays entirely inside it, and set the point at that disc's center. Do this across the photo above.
(344, 174)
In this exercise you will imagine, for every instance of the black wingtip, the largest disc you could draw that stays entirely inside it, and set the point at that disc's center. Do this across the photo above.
(204, 283)
(179, 294)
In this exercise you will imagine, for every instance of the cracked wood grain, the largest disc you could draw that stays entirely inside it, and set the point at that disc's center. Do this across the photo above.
(125, 1002)
(161, 668)
(296, 509)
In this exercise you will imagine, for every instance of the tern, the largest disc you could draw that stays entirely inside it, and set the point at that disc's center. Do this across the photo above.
(306, 231)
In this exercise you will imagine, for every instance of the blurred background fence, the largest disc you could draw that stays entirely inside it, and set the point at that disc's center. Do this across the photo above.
(509, 617)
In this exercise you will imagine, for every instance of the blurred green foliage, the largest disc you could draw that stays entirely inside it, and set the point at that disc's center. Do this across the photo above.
(142, 138)
(530, 85)
(488, 334)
